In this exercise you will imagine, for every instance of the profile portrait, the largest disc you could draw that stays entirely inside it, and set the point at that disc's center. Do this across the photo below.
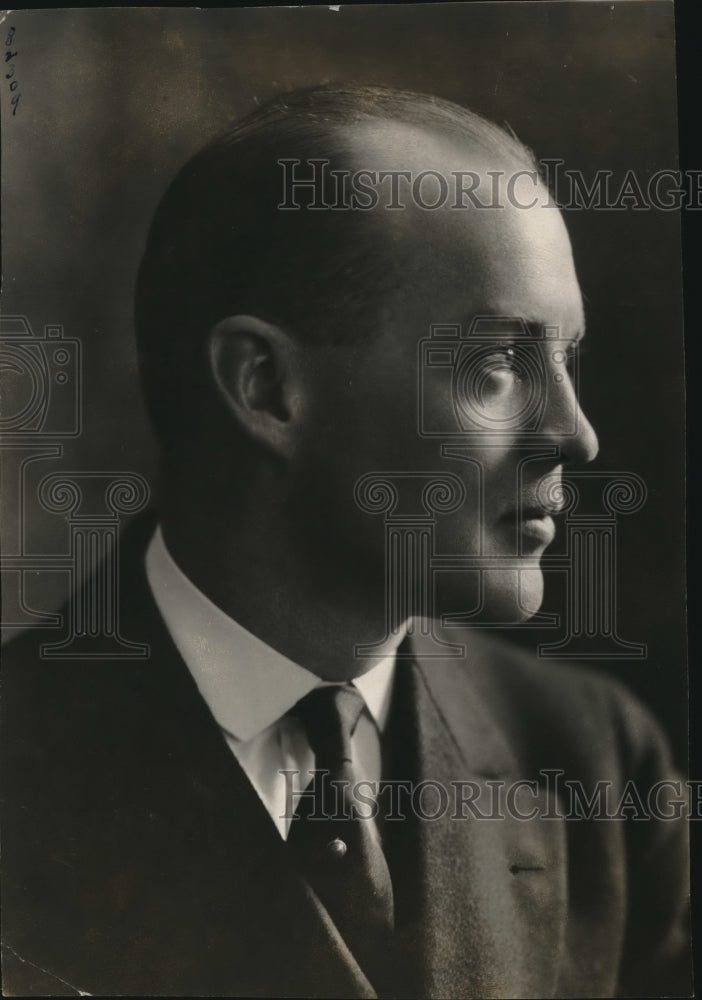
(343, 589)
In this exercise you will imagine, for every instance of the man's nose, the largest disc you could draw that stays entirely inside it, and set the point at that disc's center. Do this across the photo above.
(568, 427)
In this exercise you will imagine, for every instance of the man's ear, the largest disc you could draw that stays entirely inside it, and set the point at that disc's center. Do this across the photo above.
(256, 367)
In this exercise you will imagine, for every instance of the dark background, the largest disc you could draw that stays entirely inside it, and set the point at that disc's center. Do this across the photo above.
(113, 101)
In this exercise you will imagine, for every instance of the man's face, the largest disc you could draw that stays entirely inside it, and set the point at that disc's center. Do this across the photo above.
(508, 406)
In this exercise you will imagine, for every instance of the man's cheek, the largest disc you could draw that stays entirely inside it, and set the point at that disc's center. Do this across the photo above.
(459, 534)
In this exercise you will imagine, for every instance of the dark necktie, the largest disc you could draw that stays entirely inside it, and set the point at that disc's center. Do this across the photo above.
(338, 851)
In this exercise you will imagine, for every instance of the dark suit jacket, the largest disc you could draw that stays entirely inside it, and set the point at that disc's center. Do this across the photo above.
(138, 860)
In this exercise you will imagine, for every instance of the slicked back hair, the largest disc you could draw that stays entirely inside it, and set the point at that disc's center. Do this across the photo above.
(219, 245)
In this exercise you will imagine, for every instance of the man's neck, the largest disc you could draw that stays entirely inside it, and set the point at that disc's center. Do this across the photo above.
(261, 584)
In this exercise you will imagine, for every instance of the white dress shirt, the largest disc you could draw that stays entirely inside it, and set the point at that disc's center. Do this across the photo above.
(249, 687)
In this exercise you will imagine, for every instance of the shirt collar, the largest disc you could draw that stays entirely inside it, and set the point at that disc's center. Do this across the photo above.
(246, 683)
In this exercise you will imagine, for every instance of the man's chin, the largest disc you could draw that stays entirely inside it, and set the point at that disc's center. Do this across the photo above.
(507, 597)
(515, 594)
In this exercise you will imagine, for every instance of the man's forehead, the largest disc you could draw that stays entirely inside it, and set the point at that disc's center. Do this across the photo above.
(451, 174)
(509, 255)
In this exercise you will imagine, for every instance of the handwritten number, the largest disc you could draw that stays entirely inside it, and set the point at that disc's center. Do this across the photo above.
(9, 56)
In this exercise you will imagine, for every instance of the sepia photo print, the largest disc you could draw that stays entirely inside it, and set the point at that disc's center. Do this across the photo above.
(342, 437)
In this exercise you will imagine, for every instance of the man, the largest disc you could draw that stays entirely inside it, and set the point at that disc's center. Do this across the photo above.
(161, 837)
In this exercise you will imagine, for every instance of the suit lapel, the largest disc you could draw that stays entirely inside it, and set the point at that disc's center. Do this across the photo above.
(494, 891)
(271, 935)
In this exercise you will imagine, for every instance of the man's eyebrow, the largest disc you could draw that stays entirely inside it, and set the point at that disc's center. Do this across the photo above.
(513, 326)
(538, 329)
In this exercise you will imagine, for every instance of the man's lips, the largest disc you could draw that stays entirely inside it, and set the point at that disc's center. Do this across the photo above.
(541, 529)
(534, 524)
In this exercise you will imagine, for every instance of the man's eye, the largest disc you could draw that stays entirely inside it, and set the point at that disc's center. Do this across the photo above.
(506, 355)
(502, 367)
